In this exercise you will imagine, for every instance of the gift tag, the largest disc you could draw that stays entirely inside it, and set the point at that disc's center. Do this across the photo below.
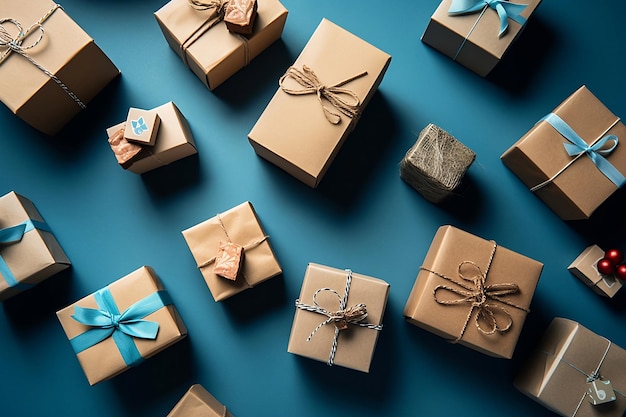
(228, 260)
(142, 126)
(600, 392)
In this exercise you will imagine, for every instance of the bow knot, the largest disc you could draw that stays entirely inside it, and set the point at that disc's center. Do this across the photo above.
(218, 5)
(505, 10)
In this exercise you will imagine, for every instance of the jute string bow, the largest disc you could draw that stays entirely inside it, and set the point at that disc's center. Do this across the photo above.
(341, 318)
(485, 298)
(16, 44)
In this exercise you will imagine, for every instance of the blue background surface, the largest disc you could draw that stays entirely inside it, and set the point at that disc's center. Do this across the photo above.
(362, 216)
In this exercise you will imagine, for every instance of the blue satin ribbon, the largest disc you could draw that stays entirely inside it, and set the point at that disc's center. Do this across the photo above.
(14, 234)
(108, 322)
(594, 152)
(504, 9)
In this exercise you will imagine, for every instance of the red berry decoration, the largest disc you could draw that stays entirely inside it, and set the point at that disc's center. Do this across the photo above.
(620, 272)
(606, 266)
(615, 255)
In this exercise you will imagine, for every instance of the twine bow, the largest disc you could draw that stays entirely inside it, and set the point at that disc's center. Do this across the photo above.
(16, 44)
(14, 234)
(341, 318)
(335, 95)
(505, 10)
(107, 321)
(218, 5)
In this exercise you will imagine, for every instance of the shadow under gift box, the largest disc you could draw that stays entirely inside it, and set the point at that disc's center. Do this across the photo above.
(213, 53)
(198, 402)
(104, 360)
(33, 254)
(60, 47)
(567, 356)
(482, 279)
(294, 131)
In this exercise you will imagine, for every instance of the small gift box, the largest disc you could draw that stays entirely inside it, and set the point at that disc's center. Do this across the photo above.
(477, 33)
(338, 317)
(318, 102)
(29, 252)
(172, 139)
(44, 56)
(198, 402)
(237, 228)
(436, 164)
(571, 159)
(473, 292)
(584, 268)
(121, 324)
(196, 31)
(575, 372)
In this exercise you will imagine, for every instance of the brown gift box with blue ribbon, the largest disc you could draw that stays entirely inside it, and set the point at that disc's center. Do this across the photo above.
(473, 292)
(474, 38)
(57, 45)
(198, 402)
(194, 29)
(575, 372)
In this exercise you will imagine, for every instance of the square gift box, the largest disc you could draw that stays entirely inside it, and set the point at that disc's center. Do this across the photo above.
(473, 292)
(575, 372)
(584, 268)
(147, 322)
(338, 317)
(198, 402)
(59, 46)
(476, 34)
(29, 252)
(194, 29)
(571, 158)
(302, 133)
(240, 226)
(173, 142)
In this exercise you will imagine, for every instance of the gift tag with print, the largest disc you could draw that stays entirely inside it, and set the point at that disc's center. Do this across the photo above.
(142, 126)
(600, 392)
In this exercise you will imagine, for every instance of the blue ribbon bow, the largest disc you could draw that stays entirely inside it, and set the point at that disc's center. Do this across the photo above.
(14, 234)
(595, 152)
(505, 10)
(107, 322)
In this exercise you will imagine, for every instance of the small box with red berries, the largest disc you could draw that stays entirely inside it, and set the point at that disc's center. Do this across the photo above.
(601, 270)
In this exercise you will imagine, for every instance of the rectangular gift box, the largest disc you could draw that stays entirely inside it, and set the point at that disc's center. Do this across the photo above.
(584, 268)
(212, 52)
(556, 373)
(472, 39)
(355, 344)
(60, 47)
(573, 189)
(457, 265)
(198, 402)
(28, 255)
(242, 226)
(174, 141)
(104, 360)
(294, 131)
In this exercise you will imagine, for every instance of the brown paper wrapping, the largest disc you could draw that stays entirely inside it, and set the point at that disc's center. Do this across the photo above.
(584, 268)
(174, 141)
(355, 345)
(66, 51)
(293, 132)
(577, 192)
(103, 360)
(244, 228)
(198, 402)
(451, 247)
(551, 381)
(37, 256)
(483, 49)
(218, 54)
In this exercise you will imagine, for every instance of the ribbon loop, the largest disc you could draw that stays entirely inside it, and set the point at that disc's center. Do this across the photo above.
(505, 10)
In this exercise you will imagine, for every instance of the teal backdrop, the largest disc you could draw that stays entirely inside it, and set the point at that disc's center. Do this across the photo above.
(362, 216)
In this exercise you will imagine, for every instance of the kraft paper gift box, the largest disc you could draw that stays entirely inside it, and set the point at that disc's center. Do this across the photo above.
(206, 46)
(198, 402)
(239, 225)
(573, 367)
(338, 317)
(48, 102)
(471, 33)
(558, 167)
(301, 133)
(473, 292)
(29, 252)
(584, 268)
(174, 141)
(149, 323)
